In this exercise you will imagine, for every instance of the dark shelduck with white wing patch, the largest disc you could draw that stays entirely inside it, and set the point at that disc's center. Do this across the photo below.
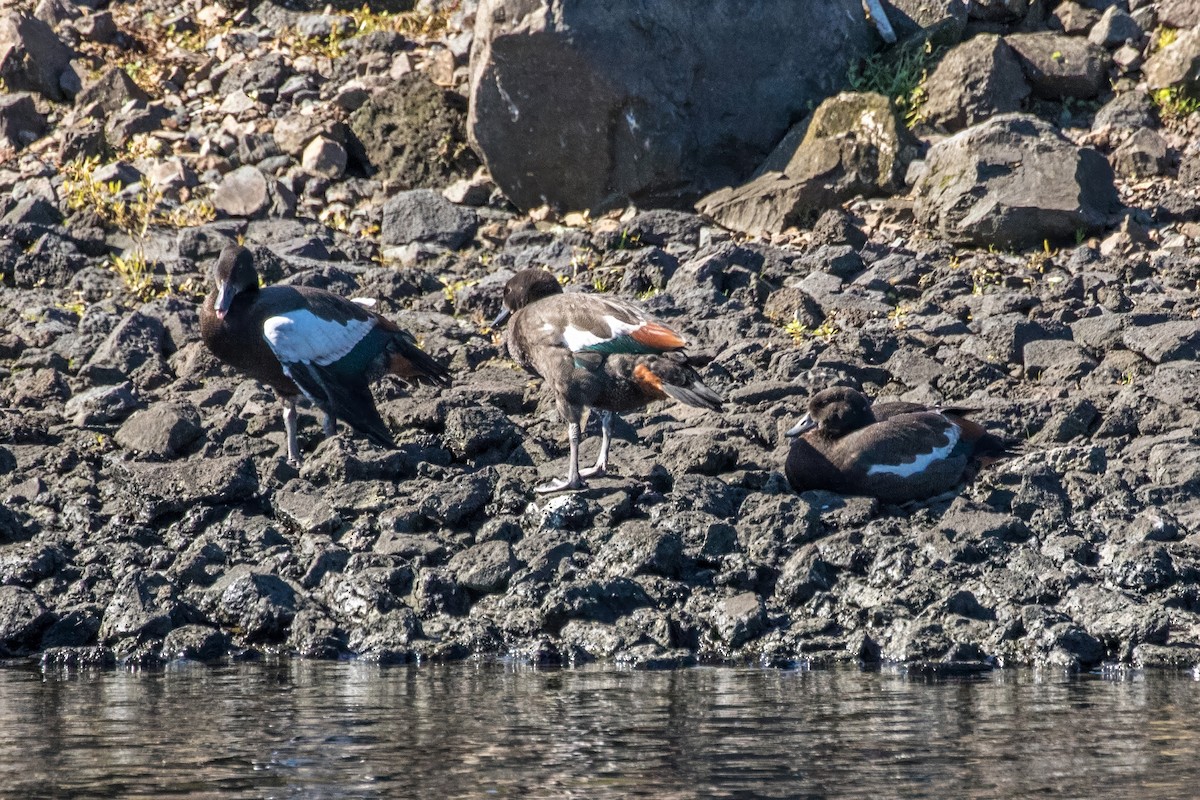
(596, 352)
(301, 340)
(896, 452)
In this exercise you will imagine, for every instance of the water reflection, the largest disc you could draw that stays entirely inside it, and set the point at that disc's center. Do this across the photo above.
(298, 729)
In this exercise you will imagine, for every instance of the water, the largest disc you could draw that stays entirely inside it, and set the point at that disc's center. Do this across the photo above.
(348, 730)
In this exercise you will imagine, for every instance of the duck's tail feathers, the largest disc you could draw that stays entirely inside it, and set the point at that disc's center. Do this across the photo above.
(694, 394)
(351, 402)
(986, 447)
(407, 360)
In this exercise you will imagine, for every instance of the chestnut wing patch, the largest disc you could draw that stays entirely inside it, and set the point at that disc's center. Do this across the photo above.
(638, 338)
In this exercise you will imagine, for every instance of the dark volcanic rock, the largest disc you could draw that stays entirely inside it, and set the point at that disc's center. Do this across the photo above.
(413, 134)
(977, 79)
(32, 57)
(164, 430)
(1014, 181)
(21, 123)
(424, 216)
(552, 90)
(23, 617)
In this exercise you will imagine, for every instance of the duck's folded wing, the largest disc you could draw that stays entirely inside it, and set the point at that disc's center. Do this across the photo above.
(300, 336)
(604, 325)
(906, 445)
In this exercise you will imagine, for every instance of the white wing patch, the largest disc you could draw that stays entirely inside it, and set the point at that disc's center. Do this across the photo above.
(301, 336)
(577, 339)
(921, 461)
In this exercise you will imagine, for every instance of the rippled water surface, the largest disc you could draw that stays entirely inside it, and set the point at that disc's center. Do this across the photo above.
(297, 729)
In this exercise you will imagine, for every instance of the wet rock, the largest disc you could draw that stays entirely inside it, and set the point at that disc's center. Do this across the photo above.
(803, 575)
(484, 568)
(32, 57)
(314, 635)
(435, 592)
(75, 659)
(195, 643)
(75, 627)
(546, 90)
(23, 617)
(1014, 181)
(636, 549)
(739, 619)
(598, 600)
(143, 605)
(423, 216)
(259, 605)
(30, 564)
(1166, 656)
(164, 430)
(976, 80)
(853, 144)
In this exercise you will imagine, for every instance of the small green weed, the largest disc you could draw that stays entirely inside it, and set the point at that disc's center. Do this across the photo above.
(801, 332)
(899, 74)
(1175, 103)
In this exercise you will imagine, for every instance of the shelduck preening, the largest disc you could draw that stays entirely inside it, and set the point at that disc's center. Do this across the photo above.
(300, 340)
(599, 352)
(897, 452)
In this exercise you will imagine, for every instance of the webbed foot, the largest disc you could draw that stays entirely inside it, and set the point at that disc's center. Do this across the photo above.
(562, 484)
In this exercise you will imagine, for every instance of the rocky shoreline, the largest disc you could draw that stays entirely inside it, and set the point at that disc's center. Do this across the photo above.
(146, 511)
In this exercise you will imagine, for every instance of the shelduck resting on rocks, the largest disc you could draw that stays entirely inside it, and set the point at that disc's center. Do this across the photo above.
(595, 352)
(896, 452)
(298, 339)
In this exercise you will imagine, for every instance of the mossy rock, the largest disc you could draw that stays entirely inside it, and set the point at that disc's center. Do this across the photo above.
(413, 135)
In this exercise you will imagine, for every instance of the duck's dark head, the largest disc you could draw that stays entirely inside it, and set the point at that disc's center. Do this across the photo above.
(233, 273)
(527, 286)
(835, 412)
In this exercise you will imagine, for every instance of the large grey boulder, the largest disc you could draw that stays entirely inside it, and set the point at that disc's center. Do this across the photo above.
(591, 105)
(976, 80)
(1014, 181)
(32, 57)
(853, 145)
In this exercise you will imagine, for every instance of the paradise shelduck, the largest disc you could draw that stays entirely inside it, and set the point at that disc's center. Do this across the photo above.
(896, 452)
(599, 352)
(301, 340)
